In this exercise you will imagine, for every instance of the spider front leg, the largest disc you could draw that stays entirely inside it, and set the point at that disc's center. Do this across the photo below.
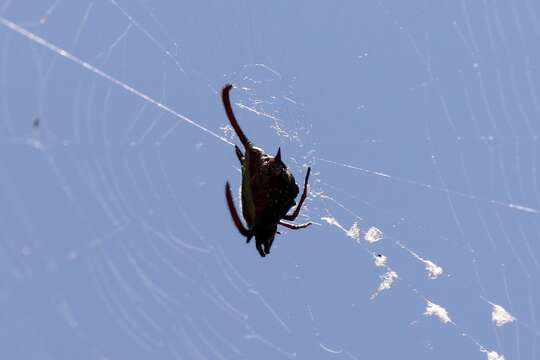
(234, 214)
(294, 226)
(293, 216)
(260, 249)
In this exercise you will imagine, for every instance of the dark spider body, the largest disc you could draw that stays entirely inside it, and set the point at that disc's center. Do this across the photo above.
(268, 190)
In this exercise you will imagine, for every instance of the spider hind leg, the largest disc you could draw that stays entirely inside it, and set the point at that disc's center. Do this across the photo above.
(293, 216)
(294, 226)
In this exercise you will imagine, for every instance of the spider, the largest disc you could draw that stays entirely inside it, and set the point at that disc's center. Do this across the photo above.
(268, 190)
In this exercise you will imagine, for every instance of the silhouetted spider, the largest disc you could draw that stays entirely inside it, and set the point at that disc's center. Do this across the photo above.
(268, 190)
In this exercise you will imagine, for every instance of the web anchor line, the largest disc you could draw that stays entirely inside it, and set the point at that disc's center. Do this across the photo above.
(435, 188)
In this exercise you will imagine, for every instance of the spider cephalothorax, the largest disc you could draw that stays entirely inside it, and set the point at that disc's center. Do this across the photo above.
(268, 190)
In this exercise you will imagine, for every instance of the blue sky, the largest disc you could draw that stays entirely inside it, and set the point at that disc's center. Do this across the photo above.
(419, 120)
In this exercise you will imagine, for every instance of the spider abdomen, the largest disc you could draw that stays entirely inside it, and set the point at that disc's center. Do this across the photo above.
(268, 188)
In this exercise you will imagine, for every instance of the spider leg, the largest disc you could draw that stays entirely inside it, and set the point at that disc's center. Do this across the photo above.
(236, 219)
(232, 119)
(260, 249)
(268, 246)
(294, 226)
(293, 216)
(239, 154)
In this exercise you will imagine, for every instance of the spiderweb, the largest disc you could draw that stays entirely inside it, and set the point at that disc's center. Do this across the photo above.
(419, 122)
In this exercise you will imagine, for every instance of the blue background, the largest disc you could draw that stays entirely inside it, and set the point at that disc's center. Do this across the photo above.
(419, 118)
